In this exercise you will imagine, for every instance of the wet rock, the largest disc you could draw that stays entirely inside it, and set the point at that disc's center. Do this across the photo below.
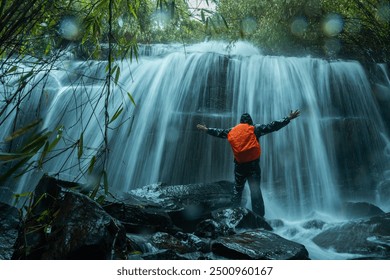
(361, 210)
(189, 204)
(240, 218)
(68, 225)
(259, 245)
(181, 243)
(139, 243)
(276, 223)
(313, 224)
(227, 221)
(210, 228)
(142, 218)
(194, 241)
(369, 238)
(9, 217)
(209, 196)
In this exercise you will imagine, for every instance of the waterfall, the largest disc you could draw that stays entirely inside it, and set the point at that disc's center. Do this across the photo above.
(334, 151)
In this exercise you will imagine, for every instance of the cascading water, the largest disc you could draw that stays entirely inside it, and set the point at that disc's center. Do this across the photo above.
(334, 151)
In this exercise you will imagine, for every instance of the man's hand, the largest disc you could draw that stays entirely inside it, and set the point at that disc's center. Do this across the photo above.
(294, 114)
(202, 127)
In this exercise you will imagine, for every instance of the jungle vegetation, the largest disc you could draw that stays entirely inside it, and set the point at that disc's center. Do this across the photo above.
(45, 31)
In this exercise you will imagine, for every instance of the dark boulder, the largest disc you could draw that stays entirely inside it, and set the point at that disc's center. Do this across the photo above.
(9, 223)
(227, 221)
(210, 228)
(65, 224)
(140, 218)
(240, 218)
(313, 224)
(208, 196)
(187, 205)
(181, 243)
(369, 238)
(352, 210)
(259, 245)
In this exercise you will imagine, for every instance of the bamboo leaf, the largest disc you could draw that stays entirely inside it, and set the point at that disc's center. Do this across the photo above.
(91, 164)
(26, 76)
(17, 196)
(225, 22)
(23, 130)
(56, 140)
(95, 188)
(12, 69)
(208, 11)
(117, 75)
(117, 114)
(36, 143)
(48, 49)
(44, 214)
(131, 98)
(105, 179)
(101, 199)
(43, 155)
(80, 146)
(132, 10)
(24, 170)
(12, 170)
(113, 69)
(202, 15)
(94, 192)
(14, 156)
(134, 51)
(22, 194)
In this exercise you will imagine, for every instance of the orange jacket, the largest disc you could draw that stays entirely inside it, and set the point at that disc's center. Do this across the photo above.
(258, 130)
(244, 143)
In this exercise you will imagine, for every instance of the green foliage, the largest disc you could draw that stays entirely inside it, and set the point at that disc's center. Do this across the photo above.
(41, 28)
(366, 33)
(304, 26)
(37, 142)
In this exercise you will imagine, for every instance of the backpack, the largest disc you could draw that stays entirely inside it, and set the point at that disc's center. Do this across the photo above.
(244, 143)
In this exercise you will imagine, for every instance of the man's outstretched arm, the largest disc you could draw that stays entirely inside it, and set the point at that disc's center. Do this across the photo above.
(275, 125)
(217, 132)
(294, 114)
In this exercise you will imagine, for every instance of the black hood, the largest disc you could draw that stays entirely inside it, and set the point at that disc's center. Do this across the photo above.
(246, 118)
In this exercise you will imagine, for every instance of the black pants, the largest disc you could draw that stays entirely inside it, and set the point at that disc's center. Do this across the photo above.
(249, 171)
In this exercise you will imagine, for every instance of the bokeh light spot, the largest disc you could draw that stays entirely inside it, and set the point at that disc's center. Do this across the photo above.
(299, 26)
(120, 22)
(161, 19)
(333, 25)
(69, 28)
(249, 25)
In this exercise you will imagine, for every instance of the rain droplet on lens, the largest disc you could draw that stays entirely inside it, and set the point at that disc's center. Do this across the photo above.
(333, 25)
(69, 28)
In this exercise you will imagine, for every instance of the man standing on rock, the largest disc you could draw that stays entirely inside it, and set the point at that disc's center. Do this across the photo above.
(244, 141)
